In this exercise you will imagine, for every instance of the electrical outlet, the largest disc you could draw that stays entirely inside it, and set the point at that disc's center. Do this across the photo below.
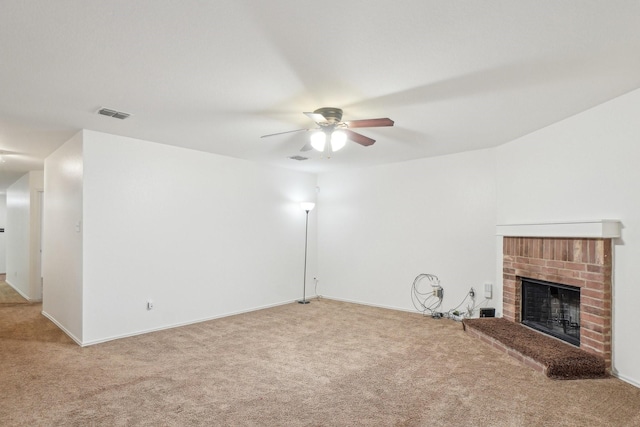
(472, 293)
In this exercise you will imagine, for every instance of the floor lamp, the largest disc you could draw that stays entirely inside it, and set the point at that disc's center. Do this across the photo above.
(306, 206)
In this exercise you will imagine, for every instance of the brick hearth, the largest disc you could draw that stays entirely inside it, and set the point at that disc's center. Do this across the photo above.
(583, 263)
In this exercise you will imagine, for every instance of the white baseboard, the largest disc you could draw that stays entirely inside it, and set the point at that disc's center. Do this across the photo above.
(20, 292)
(388, 307)
(626, 379)
(73, 337)
(177, 325)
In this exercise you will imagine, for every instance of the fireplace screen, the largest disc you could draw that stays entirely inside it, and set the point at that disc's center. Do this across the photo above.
(552, 308)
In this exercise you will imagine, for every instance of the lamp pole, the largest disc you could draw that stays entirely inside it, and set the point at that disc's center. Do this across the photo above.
(307, 207)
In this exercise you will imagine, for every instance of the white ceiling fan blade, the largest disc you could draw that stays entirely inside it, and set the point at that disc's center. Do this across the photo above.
(318, 118)
(282, 133)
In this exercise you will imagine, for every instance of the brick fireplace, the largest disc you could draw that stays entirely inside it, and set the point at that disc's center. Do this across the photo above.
(581, 262)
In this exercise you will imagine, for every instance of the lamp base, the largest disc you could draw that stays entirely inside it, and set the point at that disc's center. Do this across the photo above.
(303, 301)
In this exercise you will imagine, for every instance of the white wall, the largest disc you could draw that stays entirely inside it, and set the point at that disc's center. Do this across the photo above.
(3, 241)
(17, 235)
(22, 235)
(382, 226)
(585, 167)
(62, 241)
(201, 235)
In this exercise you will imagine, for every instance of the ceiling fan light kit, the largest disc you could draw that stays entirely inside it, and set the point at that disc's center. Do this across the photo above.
(337, 139)
(332, 129)
(318, 140)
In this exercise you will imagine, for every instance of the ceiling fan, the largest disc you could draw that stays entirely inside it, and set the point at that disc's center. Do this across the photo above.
(332, 133)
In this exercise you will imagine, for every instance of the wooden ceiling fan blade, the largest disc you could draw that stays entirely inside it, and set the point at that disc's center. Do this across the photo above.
(360, 139)
(369, 123)
(318, 118)
(282, 133)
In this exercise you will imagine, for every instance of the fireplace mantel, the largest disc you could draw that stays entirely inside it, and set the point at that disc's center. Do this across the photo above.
(596, 229)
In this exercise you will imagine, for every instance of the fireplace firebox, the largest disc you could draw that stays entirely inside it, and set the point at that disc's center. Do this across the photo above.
(552, 308)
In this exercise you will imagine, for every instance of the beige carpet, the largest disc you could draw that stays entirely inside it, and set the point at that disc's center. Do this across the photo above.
(8, 295)
(323, 364)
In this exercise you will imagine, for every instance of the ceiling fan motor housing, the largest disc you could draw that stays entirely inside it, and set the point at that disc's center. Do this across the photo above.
(333, 115)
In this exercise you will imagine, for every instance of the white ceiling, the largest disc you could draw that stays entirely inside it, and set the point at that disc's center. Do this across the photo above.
(216, 75)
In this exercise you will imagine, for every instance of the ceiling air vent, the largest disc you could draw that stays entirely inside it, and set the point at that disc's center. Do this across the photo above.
(113, 113)
(299, 158)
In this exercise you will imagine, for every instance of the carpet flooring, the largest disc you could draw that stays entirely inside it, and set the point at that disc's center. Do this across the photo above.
(560, 360)
(8, 295)
(327, 363)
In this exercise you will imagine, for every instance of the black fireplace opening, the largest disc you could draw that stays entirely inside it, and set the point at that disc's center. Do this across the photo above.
(552, 308)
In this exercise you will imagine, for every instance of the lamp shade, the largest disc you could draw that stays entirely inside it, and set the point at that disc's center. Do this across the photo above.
(307, 206)
(318, 140)
(338, 140)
